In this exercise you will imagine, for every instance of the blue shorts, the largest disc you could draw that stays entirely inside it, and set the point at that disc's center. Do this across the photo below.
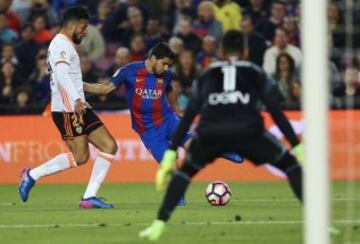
(158, 140)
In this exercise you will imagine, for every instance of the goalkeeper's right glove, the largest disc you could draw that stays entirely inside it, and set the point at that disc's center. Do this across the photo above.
(164, 173)
(298, 150)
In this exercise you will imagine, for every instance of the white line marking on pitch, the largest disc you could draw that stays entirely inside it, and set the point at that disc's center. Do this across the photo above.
(7, 203)
(280, 222)
(233, 200)
(249, 200)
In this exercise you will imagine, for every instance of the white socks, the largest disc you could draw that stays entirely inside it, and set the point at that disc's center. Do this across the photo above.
(99, 172)
(66, 160)
(59, 163)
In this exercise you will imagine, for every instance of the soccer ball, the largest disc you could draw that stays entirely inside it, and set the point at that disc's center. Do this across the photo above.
(218, 193)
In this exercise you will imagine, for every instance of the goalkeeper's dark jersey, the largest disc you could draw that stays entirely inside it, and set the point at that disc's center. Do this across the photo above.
(229, 97)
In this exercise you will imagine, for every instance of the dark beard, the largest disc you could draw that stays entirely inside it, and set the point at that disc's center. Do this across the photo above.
(75, 39)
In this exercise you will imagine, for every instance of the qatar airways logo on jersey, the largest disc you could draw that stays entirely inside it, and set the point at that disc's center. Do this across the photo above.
(145, 93)
(229, 98)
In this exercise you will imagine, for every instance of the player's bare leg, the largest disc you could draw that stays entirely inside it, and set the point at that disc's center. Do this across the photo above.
(78, 154)
(102, 140)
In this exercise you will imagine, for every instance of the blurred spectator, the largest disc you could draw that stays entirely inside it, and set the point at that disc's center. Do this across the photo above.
(268, 26)
(102, 14)
(59, 5)
(27, 49)
(40, 81)
(180, 9)
(352, 83)
(206, 24)
(291, 25)
(208, 53)
(191, 41)
(93, 44)
(256, 11)
(281, 46)
(296, 92)
(182, 98)
(92, 5)
(8, 54)
(41, 8)
(256, 43)
(336, 22)
(8, 82)
(6, 34)
(136, 25)
(88, 70)
(336, 84)
(13, 19)
(118, 21)
(137, 48)
(337, 34)
(186, 69)
(42, 35)
(19, 5)
(286, 76)
(176, 45)
(122, 57)
(153, 33)
(228, 13)
(22, 97)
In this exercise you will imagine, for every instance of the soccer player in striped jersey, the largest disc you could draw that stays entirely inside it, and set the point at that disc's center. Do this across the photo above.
(151, 100)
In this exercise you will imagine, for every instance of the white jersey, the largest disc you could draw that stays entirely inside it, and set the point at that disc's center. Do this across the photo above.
(61, 49)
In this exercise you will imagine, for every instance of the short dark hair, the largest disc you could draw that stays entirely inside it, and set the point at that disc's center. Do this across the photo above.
(75, 14)
(233, 42)
(161, 50)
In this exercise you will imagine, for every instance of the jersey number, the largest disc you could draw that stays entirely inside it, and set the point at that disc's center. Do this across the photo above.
(229, 78)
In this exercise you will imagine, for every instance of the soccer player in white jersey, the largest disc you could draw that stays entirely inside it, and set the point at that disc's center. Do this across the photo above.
(77, 123)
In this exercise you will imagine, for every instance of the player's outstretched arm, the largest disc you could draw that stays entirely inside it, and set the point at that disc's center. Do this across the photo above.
(278, 116)
(285, 127)
(99, 89)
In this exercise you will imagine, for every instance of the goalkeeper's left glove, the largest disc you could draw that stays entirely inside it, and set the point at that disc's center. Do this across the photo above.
(167, 165)
(298, 150)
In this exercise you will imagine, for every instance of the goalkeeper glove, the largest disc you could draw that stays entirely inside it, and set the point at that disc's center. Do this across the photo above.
(298, 150)
(167, 165)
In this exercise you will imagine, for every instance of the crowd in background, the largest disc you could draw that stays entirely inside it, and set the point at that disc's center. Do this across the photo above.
(124, 31)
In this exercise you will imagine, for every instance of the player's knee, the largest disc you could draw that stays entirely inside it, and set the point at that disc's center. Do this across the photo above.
(82, 158)
(113, 147)
(110, 147)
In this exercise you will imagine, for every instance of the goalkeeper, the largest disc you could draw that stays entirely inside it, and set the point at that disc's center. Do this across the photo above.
(228, 96)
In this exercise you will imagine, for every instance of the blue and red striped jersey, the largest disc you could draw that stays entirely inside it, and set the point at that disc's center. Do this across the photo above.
(146, 95)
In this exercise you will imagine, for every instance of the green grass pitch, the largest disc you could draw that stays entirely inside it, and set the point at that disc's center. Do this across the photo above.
(258, 213)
